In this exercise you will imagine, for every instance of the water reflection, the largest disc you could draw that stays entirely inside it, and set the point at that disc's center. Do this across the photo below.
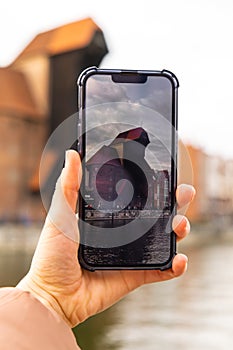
(153, 247)
(17, 244)
(192, 312)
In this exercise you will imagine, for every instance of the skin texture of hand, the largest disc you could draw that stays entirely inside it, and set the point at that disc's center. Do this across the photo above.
(58, 281)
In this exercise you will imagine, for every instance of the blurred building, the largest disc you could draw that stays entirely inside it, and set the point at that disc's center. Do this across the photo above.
(212, 176)
(192, 170)
(219, 186)
(22, 131)
(37, 92)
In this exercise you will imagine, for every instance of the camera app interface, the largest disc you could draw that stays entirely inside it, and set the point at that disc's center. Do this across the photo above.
(129, 171)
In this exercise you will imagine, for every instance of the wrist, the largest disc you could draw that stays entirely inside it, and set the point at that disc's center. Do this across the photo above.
(28, 285)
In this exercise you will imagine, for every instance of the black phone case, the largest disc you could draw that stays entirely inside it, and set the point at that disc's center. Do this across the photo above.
(81, 107)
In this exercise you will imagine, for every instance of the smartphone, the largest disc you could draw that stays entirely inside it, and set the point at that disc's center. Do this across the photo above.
(127, 140)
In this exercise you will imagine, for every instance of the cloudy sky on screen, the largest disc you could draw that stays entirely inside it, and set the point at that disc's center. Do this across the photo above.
(113, 108)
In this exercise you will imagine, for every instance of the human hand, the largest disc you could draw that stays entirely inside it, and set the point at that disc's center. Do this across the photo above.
(56, 277)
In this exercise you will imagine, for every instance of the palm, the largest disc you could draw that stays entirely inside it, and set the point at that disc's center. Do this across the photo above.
(81, 293)
(73, 288)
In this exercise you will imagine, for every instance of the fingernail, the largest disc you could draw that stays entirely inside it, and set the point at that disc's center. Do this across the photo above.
(178, 218)
(184, 257)
(189, 188)
(181, 222)
(67, 157)
(184, 224)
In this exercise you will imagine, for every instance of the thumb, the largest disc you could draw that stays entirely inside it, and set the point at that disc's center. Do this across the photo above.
(61, 214)
(71, 178)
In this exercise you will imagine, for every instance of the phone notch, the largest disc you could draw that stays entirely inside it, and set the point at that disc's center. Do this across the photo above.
(129, 77)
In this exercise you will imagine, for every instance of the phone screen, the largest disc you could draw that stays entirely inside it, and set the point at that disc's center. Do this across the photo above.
(129, 170)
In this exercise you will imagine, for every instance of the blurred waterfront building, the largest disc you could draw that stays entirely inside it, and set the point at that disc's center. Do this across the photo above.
(213, 180)
(220, 186)
(37, 92)
(22, 133)
(192, 169)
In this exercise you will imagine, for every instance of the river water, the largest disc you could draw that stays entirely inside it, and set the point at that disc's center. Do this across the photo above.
(192, 312)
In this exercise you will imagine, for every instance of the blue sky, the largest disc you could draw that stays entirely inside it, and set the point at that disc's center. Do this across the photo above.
(191, 38)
